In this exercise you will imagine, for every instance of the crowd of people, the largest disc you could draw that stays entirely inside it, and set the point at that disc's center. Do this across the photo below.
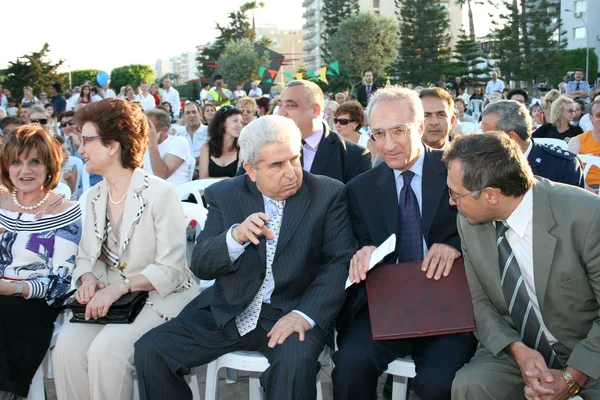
(313, 183)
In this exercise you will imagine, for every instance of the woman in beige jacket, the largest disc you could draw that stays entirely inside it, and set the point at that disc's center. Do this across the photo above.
(133, 240)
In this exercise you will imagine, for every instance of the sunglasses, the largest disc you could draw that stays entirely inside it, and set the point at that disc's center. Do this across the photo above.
(41, 121)
(342, 121)
(65, 124)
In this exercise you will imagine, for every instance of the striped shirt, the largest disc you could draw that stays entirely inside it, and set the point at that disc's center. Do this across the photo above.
(41, 252)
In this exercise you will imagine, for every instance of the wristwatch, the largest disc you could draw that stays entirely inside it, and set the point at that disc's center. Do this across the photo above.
(127, 283)
(19, 289)
(572, 387)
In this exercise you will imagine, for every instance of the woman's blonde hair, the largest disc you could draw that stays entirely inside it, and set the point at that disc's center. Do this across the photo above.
(559, 107)
(551, 97)
(246, 102)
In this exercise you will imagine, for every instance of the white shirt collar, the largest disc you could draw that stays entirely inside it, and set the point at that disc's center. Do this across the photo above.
(526, 154)
(417, 167)
(521, 217)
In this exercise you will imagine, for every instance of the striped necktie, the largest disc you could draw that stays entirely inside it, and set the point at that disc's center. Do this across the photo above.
(518, 302)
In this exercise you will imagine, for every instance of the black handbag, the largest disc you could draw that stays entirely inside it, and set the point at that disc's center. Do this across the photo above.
(122, 311)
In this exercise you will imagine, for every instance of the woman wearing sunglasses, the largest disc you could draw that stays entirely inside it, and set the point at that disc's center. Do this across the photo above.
(349, 122)
(39, 115)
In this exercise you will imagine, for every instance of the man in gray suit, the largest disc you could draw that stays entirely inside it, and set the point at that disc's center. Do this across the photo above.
(532, 254)
(278, 242)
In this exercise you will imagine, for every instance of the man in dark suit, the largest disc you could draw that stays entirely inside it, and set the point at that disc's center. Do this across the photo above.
(278, 242)
(365, 91)
(406, 195)
(533, 263)
(324, 152)
(549, 162)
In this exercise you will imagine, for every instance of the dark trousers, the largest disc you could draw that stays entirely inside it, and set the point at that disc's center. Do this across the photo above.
(360, 361)
(167, 353)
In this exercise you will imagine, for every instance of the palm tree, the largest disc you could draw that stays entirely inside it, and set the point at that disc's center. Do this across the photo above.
(461, 3)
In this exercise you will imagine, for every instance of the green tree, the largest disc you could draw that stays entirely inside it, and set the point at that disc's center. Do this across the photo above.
(33, 70)
(239, 62)
(238, 27)
(568, 60)
(79, 76)
(132, 75)
(507, 40)
(334, 12)
(424, 40)
(466, 59)
(171, 76)
(364, 41)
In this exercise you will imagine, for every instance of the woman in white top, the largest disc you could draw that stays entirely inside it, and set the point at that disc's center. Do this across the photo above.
(239, 92)
(349, 119)
(28, 98)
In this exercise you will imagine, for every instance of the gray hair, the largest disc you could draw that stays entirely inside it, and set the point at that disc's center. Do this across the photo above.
(512, 117)
(37, 109)
(266, 130)
(390, 93)
(490, 160)
(162, 117)
(313, 91)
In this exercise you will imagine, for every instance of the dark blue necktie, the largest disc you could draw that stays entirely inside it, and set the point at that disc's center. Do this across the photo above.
(409, 243)
(577, 86)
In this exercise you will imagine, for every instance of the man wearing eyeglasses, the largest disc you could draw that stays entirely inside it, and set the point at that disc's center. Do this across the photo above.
(324, 152)
(406, 195)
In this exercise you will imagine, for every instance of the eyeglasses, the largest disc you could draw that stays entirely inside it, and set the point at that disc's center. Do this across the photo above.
(454, 196)
(396, 132)
(41, 121)
(65, 124)
(86, 139)
(342, 121)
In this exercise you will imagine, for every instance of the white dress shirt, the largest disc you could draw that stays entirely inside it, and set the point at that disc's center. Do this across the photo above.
(492, 86)
(255, 93)
(520, 239)
(172, 97)
(416, 184)
(196, 140)
(148, 102)
(236, 250)
(178, 147)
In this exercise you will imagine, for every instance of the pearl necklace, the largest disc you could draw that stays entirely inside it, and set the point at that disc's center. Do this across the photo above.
(28, 208)
(116, 203)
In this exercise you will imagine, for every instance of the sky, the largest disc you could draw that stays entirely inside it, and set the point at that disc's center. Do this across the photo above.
(111, 33)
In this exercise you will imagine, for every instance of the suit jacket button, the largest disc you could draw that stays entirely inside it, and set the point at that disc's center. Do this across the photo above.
(262, 277)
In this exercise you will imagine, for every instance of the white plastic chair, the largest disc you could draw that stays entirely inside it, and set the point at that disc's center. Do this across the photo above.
(552, 142)
(476, 106)
(589, 161)
(192, 167)
(195, 188)
(63, 188)
(254, 363)
(401, 369)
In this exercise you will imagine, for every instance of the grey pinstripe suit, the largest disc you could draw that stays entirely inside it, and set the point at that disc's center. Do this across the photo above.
(310, 266)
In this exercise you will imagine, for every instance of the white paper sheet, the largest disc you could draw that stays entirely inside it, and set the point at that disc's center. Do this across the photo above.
(379, 254)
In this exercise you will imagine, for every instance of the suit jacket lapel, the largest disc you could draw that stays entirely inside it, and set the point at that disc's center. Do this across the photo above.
(433, 187)
(295, 208)
(99, 212)
(324, 152)
(543, 242)
(387, 197)
(251, 201)
(134, 207)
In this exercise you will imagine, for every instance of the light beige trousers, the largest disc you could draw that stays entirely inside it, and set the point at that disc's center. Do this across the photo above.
(95, 362)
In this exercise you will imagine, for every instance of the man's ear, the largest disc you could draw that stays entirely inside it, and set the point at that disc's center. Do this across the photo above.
(317, 110)
(250, 170)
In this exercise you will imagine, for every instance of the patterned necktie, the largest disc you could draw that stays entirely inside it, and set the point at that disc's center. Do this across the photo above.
(248, 319)
(368, 91)
(518, 302)
(409, 243)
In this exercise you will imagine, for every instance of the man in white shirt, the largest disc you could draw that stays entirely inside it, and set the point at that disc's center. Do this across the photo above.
(72, 102)
(194, 132)
(494, 85)
(464, 95)
(255, 92)
(145, 98)
(108, 93)
(167, 157)
(171, 95)
(204, 93)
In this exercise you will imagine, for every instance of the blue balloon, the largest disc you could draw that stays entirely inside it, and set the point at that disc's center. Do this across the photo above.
(102, 78)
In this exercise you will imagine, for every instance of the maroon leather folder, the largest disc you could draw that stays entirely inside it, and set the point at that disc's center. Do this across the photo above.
(404, 304)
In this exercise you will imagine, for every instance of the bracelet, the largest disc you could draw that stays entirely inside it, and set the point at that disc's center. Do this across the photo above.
(572, 387)
(19, 289)
(127, 283)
